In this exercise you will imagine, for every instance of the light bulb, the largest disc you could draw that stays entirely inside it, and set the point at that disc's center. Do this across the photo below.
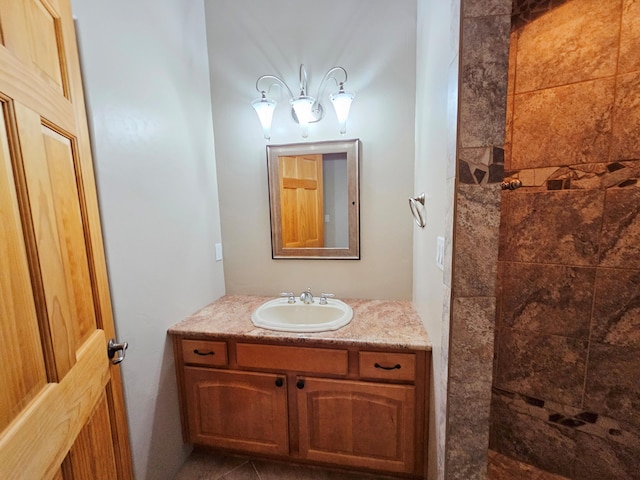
(302, 107)
(341, 102)
(264, 107)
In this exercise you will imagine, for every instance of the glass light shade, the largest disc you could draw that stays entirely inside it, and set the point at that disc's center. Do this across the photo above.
(264, 107)
(341, 102)
(302, 107)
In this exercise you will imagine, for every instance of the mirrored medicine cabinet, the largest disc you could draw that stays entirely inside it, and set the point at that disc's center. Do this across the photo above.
(314, 200)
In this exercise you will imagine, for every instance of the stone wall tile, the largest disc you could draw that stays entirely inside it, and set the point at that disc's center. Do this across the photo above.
(552, 227)
(505, 219)
(598, 459)
(469, 394)
(547, 367)
(467, 439)
(554, 50)
(630, 37)
(548, 299)
(526, 11)
(528, 439)
(587, 176)
(508, 133)
(476, 236)
(616, 310)
(612, 386)
(471, 351)
(620, 244)
(480, 8)
(625, 143)
(578, 419)
(562, 125)
(481, 165)
(483, 80)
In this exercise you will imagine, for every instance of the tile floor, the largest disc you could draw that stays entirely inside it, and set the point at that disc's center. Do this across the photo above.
(203, 465)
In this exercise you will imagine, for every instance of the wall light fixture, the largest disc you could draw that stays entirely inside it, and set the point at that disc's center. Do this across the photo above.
(304, 109)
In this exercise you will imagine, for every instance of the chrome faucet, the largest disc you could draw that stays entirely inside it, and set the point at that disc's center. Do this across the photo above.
(306, 297)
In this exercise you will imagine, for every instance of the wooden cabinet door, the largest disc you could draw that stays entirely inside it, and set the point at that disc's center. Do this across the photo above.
(61, 406)
(302, 201)
(357, 424)
(237, 410)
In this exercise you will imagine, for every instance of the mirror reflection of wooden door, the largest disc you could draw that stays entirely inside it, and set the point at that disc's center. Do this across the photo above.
(61, 406)
(301, 201)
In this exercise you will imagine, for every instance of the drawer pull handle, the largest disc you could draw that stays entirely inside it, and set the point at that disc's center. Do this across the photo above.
(300, 384)
(395, 367)
(279, 382)
(203, 354)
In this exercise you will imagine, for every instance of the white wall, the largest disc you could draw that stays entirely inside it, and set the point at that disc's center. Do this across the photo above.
(147, 88)
(375, 41)
(436, 123)
(145, 67)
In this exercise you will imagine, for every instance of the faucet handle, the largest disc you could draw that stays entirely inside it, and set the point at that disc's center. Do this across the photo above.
(324, 296)
(292, 298)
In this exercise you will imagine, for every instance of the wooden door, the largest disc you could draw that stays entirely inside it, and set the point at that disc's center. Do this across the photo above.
(360, 424)
(301, 201)
(237, 410)
(61, 406)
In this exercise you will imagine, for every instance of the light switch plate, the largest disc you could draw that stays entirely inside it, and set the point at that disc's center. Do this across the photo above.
(218, 252)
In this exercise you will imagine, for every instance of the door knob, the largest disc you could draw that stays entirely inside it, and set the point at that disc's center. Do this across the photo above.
(113, 348)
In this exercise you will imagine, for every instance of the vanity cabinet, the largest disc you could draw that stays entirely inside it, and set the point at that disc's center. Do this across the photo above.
(338, 405)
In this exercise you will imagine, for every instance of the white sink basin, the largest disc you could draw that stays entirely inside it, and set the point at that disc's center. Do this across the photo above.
(280, 315)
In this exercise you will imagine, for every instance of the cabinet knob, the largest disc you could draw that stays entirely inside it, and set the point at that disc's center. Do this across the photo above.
(279, 382)
(300, 384)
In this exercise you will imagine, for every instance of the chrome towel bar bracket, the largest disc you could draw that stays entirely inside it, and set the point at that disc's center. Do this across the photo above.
(511, 184)
(417, 210)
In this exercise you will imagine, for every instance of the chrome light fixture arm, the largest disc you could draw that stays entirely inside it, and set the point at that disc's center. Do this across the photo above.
(303, 80)
(328, 76)
(317, 112)
(278, 81)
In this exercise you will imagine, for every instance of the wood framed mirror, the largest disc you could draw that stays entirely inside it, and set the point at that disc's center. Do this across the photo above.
(314, 200)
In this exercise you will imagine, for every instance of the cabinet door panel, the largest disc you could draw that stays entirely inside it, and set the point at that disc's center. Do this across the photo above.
(358, 424)
(237, 410)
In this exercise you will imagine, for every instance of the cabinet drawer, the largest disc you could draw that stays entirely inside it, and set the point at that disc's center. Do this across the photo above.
(389, 366)
(204, 352)
(300, 359)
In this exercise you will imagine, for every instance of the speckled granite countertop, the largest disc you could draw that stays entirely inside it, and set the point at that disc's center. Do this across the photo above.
(375, 323)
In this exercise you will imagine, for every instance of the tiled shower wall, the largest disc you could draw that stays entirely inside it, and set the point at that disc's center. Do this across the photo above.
(567, 352)
(481, 115)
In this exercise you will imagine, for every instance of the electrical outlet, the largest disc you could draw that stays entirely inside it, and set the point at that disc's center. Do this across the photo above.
(440, 253)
